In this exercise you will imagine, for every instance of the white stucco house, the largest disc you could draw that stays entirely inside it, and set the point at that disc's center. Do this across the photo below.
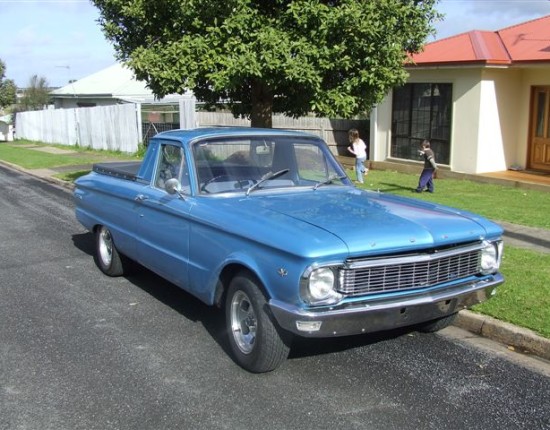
(482, 98)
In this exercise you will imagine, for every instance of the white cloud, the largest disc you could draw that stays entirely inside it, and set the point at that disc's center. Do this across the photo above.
(30, 37)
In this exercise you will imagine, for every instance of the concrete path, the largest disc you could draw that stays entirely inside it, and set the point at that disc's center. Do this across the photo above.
(536, 239)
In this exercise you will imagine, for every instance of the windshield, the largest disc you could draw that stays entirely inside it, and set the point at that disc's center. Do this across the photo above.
(252, 164)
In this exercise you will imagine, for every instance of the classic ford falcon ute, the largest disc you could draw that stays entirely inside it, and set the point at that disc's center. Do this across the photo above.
(266, 225)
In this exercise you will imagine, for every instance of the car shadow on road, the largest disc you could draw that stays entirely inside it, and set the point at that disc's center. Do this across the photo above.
(213, 320)
(307, 347)
(166, 292)
(84, 242)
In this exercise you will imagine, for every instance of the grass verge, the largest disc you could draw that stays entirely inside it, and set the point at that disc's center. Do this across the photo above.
(31, 155)
(71, 176)
(497, 202)
(524, 298)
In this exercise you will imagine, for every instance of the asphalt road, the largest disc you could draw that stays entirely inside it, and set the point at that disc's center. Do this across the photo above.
(79, 350)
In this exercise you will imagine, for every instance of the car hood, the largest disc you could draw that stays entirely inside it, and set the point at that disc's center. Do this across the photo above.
(374, 222)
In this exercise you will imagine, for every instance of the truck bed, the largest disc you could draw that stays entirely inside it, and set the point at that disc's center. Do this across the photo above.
(124, 169)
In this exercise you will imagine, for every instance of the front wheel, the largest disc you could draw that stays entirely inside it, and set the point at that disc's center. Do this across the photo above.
(108, 259)
(255, 341)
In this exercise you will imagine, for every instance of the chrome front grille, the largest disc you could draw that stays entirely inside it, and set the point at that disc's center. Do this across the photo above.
(372, 276)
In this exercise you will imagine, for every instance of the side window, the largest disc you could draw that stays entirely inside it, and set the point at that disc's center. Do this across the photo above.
(172, 165)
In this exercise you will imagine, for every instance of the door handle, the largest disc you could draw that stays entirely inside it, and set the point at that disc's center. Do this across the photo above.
(140, 198)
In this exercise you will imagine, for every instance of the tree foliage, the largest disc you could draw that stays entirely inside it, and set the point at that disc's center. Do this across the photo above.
(333, 58)
(36, 95)
(8, 89)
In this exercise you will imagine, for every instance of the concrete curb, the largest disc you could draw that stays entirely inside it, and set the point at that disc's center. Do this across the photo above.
(521, 339)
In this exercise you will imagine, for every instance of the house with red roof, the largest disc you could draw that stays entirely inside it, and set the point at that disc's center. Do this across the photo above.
(482, 98)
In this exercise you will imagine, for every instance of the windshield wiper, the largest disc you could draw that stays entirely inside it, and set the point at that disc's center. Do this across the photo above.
(266, 177)
(329, 180)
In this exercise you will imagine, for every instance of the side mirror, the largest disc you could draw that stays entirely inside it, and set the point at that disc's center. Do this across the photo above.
(173, 186)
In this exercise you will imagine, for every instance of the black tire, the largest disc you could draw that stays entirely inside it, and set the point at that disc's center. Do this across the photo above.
(255, 342)
(107, 257)
(436, 325)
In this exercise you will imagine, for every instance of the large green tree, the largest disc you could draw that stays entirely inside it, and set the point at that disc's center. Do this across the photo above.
(332, 58)
(8, 89)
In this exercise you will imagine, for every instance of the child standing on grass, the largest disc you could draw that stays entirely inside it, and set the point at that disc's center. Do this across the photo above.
(359, 149)
(427, 175)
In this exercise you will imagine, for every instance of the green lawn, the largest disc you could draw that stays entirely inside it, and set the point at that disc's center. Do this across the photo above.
(524, 299)
(497, 202)
(20, 154)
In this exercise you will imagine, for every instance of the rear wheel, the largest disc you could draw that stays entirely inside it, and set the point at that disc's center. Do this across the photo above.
(108, 259)
(255, 341)
(438, 324)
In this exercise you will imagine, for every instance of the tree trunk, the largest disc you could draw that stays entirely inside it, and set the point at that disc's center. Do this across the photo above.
(262, 105)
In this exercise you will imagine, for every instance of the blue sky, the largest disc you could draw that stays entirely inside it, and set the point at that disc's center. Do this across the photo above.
(61, 40)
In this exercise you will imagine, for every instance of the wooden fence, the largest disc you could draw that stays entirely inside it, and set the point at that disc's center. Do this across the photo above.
(119, 127)
(332, 131)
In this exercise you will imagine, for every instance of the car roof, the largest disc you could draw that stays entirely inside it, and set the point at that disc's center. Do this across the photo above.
(205, 132)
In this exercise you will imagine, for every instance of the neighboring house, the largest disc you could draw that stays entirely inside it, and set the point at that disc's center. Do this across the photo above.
(482, 98)
(113, 85)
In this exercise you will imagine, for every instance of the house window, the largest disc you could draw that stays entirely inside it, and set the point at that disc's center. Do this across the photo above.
(422, 111)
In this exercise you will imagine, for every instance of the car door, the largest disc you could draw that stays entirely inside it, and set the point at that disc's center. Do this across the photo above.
(163, 218)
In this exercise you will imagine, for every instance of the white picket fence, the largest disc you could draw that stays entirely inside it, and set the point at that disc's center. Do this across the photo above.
(115, 128)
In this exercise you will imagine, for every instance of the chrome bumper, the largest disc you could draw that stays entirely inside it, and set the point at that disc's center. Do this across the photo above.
(379, 315)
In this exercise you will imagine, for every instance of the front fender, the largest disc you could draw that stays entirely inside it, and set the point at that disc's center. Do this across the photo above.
(276, 271)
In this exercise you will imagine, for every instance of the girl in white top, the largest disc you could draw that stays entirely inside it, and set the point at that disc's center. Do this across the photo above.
(359, 149)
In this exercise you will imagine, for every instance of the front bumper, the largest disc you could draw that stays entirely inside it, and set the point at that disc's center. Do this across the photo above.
(384, 314)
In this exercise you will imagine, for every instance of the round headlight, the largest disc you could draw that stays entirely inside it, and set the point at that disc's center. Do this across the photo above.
(321, 284)
(490, 260)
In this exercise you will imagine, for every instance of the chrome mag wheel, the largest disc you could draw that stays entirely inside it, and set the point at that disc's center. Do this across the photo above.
(244, 324)
(105, 247)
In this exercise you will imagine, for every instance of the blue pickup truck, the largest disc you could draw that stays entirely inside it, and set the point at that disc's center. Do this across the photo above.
(266, 225)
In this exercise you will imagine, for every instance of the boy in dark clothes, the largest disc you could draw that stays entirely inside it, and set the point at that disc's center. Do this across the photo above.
(426, 177)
